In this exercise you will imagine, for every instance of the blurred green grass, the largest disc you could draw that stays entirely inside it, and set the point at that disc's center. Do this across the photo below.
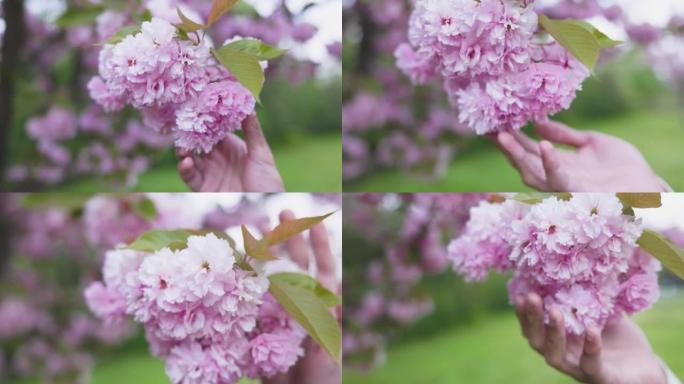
(312, 164)
(493, 351)
(658, 133)
(136, 366)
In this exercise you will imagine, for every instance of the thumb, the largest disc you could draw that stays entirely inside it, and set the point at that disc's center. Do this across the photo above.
(257, 146)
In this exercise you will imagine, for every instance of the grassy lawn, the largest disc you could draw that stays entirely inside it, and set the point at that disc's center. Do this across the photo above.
(493, 351)
(658, 134)
(134, 367)
(311, 165)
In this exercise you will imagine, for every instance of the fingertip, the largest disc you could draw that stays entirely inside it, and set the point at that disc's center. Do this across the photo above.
(250, 122)
(545, 146)
(186, 166)
(286, 215)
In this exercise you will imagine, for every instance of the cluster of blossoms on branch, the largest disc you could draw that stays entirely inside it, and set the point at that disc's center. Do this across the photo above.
(495, 69)
(208, 319)
(176, 84)
(59, 248)
(387, 122)
(386, 296)
(579, 255)
(118, 147)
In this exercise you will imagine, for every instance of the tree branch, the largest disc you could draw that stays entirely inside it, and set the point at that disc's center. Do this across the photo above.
(13, 11)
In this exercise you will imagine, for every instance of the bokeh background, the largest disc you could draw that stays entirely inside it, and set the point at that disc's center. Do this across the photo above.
(300, 113)
(410, 319)
(403, 138)
(52, 246)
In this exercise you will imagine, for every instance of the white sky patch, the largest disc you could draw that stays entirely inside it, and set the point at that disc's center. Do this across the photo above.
(671, 214)
(326, 16)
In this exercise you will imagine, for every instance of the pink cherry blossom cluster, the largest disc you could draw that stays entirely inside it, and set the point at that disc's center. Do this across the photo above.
(208, 319)
(495, 69)
(579, 255)
(176, 84)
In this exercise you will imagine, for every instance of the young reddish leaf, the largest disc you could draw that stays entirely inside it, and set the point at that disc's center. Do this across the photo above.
(664, 250)
(640, 200)
(310, 312)
(218, 9)
(187, 25)
(258, 249)
(245, 67)
(288, 229)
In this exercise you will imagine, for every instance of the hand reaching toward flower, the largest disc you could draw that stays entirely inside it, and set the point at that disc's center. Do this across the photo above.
(620, 354)
(234, 165)
(600, 163)
(316, 367)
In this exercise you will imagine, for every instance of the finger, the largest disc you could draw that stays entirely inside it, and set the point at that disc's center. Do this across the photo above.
(561, 133)
(526, 142)
(590, 362)
(325, 261)
(529, 165)
(296, 246)
(554, 347)
(257, 146)
(522, 318)
(190, 175)
(555, 177)
(535, 317)
(182, 152)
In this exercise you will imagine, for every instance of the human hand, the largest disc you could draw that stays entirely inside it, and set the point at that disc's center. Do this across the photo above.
(233, 165)
(599, 163)
(316, 366)
(620, 354)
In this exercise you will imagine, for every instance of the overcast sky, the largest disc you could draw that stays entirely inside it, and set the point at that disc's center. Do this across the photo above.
(671, 214)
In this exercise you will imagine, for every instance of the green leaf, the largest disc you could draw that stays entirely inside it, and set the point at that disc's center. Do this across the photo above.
(154, 240)
(305, 281)
(640, 200)
(664, 250)
(581, 39)
(258, 249)
(257, 48)
(68, 201)
(145, 208)
(187, 25)
(291, 228)
(532, 198)
(218, 9)
(78, 16)
(603, 39)
(244, 67)
(310, 312)
(122, 33)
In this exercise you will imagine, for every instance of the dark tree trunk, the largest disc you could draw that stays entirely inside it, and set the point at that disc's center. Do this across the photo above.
(5, 235)
(13, 13)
